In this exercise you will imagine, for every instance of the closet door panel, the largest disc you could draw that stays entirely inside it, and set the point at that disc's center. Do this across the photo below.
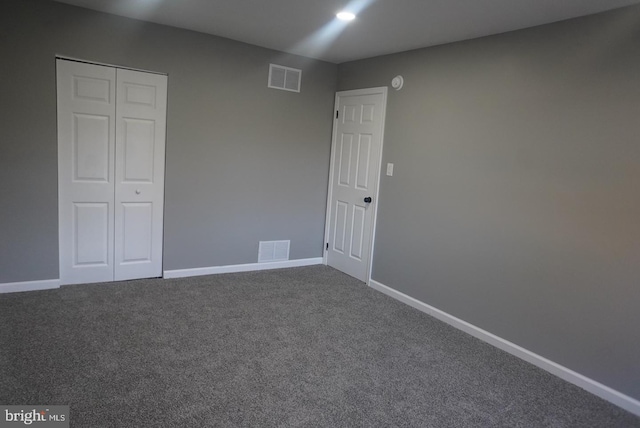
(139, 190)
(86, 170)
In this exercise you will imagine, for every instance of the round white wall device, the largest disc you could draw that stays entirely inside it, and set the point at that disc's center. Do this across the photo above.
(397, 82)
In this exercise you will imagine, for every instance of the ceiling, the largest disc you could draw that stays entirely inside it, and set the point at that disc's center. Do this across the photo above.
(309, 27)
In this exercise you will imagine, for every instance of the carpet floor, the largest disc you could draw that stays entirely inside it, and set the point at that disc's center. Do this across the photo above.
(293, 347)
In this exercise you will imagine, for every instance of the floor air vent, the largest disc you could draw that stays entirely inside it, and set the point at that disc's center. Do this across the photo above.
(285, 78)
(273, 251)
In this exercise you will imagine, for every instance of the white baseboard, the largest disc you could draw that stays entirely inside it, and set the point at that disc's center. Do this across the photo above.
(13, 287)
(182, 273)
(619, 399)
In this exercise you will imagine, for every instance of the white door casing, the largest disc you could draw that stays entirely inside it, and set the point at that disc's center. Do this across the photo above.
(354, 175)
(111, 143)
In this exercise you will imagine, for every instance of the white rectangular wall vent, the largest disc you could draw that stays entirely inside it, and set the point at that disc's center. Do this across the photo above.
(285, 78)
(273, 251)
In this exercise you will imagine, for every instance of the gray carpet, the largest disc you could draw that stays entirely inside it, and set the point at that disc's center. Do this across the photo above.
(293, 347)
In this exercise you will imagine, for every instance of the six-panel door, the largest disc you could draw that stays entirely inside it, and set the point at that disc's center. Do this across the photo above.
(355, 164)
(111, 139)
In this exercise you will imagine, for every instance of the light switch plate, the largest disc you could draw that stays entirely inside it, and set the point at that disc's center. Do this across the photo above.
(390, 169)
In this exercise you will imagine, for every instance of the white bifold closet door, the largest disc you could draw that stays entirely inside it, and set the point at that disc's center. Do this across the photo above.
(111, 150)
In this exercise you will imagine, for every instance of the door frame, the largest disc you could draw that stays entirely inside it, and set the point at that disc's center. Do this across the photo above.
(355, 92)
(106, 64)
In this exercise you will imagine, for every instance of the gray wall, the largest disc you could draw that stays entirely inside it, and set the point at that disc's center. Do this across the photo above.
(244, 163)
(515, 203)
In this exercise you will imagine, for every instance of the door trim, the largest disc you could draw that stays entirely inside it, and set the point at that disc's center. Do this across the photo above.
(327, 223)
(122, 67)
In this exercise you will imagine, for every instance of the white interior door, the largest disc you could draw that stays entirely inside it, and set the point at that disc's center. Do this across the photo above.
(111, 144)
(139, 190)
(353, 187)
(86, 150)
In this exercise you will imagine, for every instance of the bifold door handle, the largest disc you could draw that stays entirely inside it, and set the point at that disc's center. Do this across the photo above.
(368, 199)
(137, 191)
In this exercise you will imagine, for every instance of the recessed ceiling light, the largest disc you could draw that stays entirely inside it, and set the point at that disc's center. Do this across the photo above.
(345, 16)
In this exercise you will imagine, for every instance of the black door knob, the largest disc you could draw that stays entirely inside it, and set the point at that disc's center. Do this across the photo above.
(368, 199)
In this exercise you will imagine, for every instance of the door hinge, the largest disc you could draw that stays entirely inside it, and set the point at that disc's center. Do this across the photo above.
(327, 248)
(336, 114)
